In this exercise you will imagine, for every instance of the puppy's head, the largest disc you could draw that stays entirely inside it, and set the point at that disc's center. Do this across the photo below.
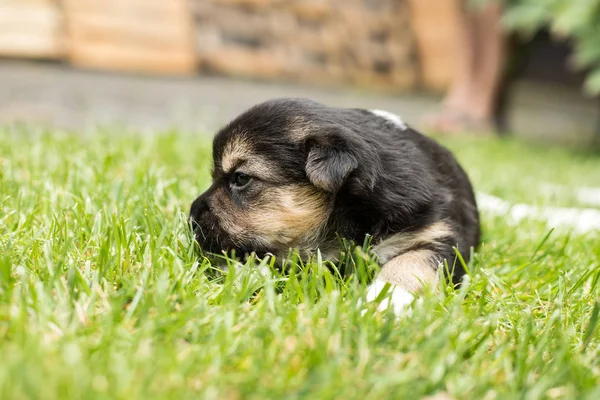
(278, 169)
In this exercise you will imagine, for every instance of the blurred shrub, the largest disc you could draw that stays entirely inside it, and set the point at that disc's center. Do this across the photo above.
(577, 19)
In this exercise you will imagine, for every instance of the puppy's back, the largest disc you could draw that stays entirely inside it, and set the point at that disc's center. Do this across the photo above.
(409, 149)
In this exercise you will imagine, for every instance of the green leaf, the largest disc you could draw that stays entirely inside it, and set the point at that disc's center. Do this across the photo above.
(591, 326)
(592, 83)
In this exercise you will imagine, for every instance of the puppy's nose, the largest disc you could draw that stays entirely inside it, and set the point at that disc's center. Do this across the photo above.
(199, 207)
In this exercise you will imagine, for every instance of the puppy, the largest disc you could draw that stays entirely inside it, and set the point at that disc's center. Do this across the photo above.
(295, 174)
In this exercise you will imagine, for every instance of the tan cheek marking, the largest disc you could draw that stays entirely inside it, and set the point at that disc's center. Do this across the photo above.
(293, 217)
(236, 149)
(401, 242)
(411, 271)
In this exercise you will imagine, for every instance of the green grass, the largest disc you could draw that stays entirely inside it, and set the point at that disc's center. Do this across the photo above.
(102, 295)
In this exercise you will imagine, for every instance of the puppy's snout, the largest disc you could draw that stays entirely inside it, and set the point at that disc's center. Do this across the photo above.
(205, 225)
(199, 207)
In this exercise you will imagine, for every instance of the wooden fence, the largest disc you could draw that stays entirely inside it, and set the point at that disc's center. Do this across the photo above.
(397, 44)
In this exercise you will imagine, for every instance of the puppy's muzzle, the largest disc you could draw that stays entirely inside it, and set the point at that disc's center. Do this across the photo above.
(207, 228)
(199, 221)
(198, 208)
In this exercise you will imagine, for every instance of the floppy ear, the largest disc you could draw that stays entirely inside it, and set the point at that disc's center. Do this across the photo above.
(334, 156)
(328, 167)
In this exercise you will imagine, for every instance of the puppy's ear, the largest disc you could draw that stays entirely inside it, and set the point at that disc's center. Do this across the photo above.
(328, 167)
(335, 157)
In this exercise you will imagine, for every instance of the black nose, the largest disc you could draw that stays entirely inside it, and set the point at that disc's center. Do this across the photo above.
(199, 207)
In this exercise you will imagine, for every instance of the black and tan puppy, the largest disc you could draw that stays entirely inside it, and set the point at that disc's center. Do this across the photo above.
(295, 174)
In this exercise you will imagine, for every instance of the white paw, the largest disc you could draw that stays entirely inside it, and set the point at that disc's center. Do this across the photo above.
(396, 298)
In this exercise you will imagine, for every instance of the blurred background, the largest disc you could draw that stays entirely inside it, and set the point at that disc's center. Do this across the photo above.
(193, 64)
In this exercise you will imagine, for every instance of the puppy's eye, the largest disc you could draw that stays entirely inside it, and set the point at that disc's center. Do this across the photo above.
(239, 179)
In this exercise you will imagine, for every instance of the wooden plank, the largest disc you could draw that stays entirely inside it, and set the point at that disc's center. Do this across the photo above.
(29, 46)
(118, 57)
(149, 36)
(31, 28)
(136, 9)
(113, 29)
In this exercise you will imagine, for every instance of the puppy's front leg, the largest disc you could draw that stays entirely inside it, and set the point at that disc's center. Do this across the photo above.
(407, 273)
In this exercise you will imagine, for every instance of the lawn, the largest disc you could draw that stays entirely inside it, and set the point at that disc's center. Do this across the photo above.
(102, 294)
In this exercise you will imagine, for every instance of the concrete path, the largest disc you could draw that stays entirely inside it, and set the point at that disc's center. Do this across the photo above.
(58, 95)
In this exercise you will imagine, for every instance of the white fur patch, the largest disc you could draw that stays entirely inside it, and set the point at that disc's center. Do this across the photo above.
(580, 219)
(396, 298)
(391, 117)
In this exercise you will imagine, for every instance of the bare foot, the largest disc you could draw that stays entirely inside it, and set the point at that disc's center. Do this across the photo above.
(454, 122)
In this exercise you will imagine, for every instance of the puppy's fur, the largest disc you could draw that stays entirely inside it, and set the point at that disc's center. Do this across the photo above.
(294, 174)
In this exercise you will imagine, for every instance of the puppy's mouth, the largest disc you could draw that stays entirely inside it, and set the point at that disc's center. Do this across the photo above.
(213, 239)
(209, 235)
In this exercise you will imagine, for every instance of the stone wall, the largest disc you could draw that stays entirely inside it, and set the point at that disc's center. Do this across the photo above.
(361, 42)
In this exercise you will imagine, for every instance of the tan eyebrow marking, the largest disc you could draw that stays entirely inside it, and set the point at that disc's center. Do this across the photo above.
(260, 168)
(238, 154)
(235, 151)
